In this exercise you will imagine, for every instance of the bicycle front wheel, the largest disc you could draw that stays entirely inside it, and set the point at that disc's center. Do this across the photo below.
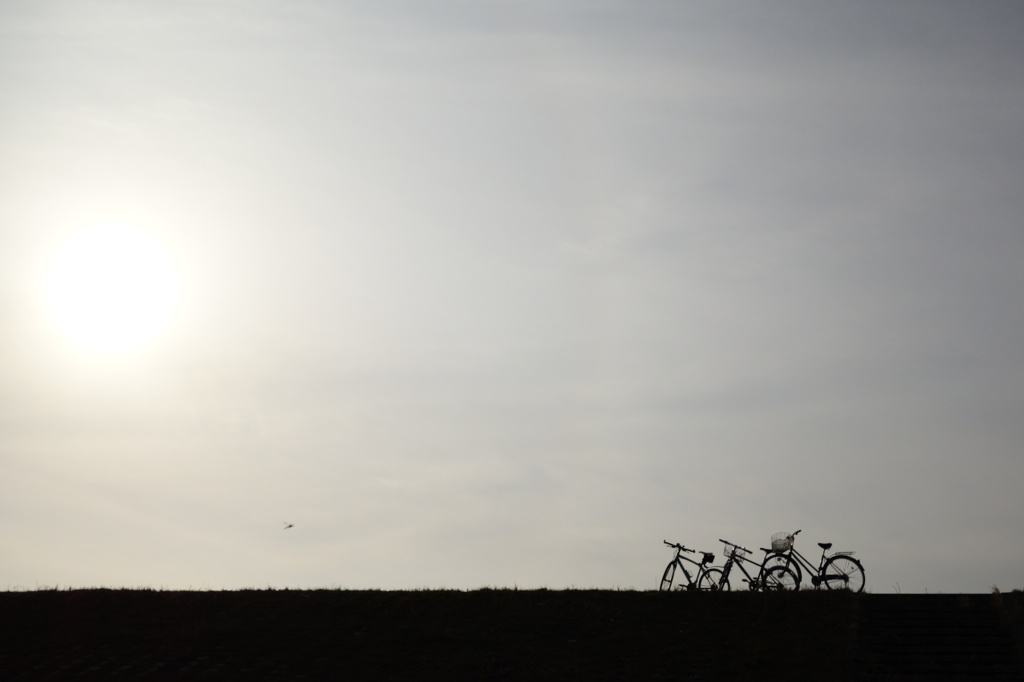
(713, 580)
(784, 560)
(668, 576)
(842, 572)
(778, 578)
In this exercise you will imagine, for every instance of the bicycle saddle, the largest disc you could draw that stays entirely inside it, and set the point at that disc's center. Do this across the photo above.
(824, 545)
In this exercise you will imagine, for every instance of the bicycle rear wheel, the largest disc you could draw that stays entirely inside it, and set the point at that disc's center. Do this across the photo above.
(778, 578)
(713, 580)
(668, 576)
(842, 572)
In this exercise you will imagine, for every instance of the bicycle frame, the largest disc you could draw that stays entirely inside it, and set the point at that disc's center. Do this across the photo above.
(692, 582)
(798, 562)
(737, 557)
(804, 562)
(734, 558)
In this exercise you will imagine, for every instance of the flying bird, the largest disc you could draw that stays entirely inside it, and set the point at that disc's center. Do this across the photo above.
(288, 525)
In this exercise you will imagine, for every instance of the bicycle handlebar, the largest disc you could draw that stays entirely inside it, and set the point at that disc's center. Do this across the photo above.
(734, 545)
(678, 546)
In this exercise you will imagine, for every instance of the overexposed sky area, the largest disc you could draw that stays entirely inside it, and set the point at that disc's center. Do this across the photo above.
(506, 293)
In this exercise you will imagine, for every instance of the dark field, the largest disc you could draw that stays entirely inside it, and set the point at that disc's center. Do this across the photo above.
(507, 635)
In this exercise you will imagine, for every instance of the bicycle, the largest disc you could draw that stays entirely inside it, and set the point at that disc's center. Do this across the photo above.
(707, 579)
(836, 571)
(774, 578)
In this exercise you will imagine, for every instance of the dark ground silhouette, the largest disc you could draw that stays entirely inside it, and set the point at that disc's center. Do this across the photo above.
(507, 635)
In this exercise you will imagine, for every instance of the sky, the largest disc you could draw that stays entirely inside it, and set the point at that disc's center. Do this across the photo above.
(504, 294)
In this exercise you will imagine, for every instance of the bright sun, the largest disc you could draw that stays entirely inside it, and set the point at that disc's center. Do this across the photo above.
(111, 290)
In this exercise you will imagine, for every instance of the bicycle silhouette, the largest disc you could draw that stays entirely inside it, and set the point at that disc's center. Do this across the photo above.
(837, 571)
(772, 578)
(707, 579)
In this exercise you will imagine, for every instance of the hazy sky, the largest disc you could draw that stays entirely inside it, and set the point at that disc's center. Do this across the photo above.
(504, 293)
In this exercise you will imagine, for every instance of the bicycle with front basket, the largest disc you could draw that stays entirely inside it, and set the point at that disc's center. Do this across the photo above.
(773, 578)
(706, 579)
(837, 571)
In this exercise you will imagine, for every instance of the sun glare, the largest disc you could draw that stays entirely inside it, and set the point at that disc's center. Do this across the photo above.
(111, 290)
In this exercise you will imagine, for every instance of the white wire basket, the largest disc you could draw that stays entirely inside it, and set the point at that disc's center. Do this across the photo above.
(730, 549)
(782, 542)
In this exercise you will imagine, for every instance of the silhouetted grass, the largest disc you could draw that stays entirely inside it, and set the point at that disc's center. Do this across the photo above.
(493, 634)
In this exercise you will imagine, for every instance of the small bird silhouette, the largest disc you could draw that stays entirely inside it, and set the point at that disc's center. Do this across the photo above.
(288, 525)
